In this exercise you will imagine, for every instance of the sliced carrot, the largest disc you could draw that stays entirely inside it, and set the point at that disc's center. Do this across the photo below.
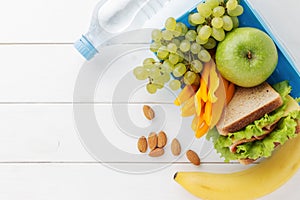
(188, 108)
(207, 113)
(202, 130)
(197, 102)
(230, 92)
(200, 118)
(185, 94)
(203, 90)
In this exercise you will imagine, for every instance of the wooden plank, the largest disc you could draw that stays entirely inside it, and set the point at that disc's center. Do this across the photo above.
(49, 133)
(55, 21)
(94, 181)
(47, 73)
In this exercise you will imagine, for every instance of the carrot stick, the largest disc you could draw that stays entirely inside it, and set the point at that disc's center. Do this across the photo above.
(225, 83)
(230, 92)
(207, 113)
(203, 90)
(202, 130)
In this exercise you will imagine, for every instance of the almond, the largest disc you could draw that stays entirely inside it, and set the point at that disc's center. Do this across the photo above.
(157, 152)
(152, 141)
(142, 144)
(175, 147)
(161, 139)
(193, 157)
(148, 112)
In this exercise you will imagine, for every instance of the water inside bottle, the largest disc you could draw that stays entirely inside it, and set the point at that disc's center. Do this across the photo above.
(117, 16)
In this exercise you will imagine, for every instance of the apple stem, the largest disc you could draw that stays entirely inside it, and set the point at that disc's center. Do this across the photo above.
(249, 55)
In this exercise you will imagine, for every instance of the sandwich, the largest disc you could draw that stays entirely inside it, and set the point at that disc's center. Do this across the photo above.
(255, 122)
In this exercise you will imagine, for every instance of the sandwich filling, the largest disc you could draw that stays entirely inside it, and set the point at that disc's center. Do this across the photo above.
(259, 138)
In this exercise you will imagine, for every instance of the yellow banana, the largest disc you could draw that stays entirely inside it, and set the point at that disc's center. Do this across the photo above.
(251, 183)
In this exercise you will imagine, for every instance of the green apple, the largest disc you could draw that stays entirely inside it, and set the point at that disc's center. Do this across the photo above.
(246, 57)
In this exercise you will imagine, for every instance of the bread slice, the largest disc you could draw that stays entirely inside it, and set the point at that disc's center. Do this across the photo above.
(248, 105)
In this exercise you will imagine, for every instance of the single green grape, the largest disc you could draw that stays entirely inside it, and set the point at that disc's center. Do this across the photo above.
(235, 22)
(162, 52)
(178, 30)
(170, 24)
(173, 58)
(236, 12)
(218, 11)
(158, 82)
(190, 21)
(196, 66)
(189, 77)
(218, 34)
(196, 18)
(148, 61)
(155, 46)
(179, 70)
(156, 35)
(167, 66)
(204, 55)
(228, 24)
(204, 10)
(210, 44)
(172, 47)
(176, 42)
(200, 41)
(212, 3)
(217, 22)
(231, 4)
(140, 73)
(175, 84)
(205, 32)
(154, 72)
(185, 46)
(151, 88)
(184, 28)
(191, 35)
(167, 35)
(195, 48)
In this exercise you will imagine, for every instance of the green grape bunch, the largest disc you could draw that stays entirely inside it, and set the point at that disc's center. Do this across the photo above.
(182, 50)
(214, 18)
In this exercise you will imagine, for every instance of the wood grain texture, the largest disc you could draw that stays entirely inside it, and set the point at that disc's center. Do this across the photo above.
(95, 181)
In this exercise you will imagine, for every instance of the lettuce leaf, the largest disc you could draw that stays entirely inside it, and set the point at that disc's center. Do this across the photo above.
(260, 148)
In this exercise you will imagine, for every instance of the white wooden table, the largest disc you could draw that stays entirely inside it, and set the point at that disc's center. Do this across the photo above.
(41, 155)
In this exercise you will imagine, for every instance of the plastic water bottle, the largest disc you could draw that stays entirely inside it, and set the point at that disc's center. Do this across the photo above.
(111, 17)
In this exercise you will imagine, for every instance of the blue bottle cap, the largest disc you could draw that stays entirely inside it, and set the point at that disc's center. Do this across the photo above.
(85, 48)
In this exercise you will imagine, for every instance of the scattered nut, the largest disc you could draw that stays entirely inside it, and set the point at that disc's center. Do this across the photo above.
(142, 144)
(148, 112)
(152, 141)
(161, 139)
(193, 157)
(175, 147)
(157, 152)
